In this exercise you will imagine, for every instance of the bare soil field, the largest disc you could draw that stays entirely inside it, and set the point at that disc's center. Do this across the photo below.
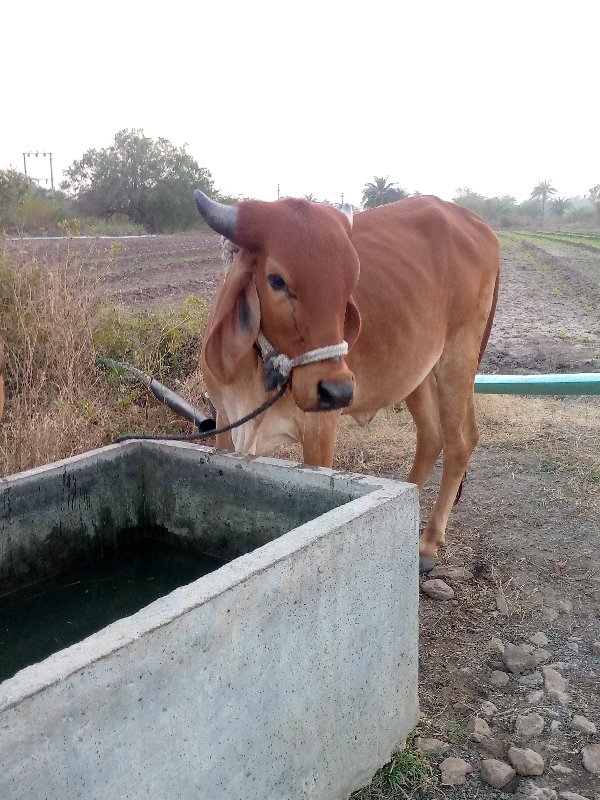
(527, 529)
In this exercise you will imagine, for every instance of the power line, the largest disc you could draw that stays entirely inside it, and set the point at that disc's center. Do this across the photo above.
(38, 154)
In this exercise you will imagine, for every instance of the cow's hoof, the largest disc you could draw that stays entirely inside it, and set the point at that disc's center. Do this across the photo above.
(426, 564)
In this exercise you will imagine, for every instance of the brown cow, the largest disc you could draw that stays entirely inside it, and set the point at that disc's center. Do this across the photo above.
(410, 286)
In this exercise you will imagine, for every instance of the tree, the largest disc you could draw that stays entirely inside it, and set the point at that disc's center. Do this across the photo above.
(497, 211)
(542, 192)
(25, 207)
(149, 181)
(595, 197)
(14, 187)
(379, 192)
(560, 205)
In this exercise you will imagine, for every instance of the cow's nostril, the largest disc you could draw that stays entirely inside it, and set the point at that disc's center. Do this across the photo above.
(334, 395)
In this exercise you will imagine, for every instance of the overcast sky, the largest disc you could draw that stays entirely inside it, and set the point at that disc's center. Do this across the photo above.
(317, 97)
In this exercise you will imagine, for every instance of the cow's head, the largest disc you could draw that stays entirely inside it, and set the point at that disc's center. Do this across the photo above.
(293, 279)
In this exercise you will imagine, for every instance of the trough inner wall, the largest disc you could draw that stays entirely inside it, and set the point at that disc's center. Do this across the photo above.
(56, 516)
(80, 509)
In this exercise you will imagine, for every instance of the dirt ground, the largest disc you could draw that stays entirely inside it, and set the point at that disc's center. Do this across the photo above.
(527, 528)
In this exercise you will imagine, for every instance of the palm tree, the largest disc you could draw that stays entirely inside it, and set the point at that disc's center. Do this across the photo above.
(543, 191)
(379, 192)
(560, 205)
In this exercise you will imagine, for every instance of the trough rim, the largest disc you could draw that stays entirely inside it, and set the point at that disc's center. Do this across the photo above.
(117, 635)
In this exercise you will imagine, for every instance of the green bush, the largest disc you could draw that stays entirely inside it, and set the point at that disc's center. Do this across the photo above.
(165, 344)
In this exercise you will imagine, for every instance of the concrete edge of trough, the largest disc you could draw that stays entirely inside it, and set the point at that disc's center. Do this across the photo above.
(312, 475)
(119, 634)
(100, 453)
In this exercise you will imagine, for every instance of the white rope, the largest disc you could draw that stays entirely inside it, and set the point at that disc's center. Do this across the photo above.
(278, 366)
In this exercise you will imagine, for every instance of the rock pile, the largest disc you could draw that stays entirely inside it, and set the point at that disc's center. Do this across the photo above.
(532, 720)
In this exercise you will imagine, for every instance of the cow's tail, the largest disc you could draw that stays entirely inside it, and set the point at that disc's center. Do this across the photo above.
(484, 341)
(490, 320)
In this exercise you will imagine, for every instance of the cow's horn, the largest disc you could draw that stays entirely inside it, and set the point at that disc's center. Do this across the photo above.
(221, 218)
(346, 209)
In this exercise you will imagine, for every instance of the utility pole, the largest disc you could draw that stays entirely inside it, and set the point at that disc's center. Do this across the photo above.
(37, 154)
(278, 191)
(342, 198)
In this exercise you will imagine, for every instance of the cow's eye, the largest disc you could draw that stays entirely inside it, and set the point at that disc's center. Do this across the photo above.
(276, 282)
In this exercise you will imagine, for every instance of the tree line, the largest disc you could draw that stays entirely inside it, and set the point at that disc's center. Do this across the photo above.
(149, 183)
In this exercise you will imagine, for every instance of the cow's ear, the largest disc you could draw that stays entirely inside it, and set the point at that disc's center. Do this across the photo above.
(351, 322)
(234, 321)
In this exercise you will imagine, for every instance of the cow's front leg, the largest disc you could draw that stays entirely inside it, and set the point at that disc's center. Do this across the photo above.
(223, 441)
(320, 432)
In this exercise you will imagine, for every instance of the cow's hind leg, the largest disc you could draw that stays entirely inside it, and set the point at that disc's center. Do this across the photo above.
(423, 406)
(455, 381)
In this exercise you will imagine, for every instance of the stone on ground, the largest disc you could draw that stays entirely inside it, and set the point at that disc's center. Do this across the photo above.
(526, 761)
(566, 606)
(541, 655)
(535, 697)
(580, 723)
(451, 573)
(555, 685)
(572, 796)
(535, 680)
(591, 758)
(561, 769)
(496, 773)
(478, 729)
(499, 678)
(529, 725)
(497, 645)
(528, 790)
(437, 589)
(488, 709)
(454, 771)
(539, 639)
(518, 660)
(428, 744)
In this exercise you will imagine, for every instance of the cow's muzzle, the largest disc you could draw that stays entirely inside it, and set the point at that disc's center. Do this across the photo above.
(334, 395)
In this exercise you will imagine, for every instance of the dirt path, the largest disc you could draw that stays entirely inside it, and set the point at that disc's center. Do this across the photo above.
(548, 317)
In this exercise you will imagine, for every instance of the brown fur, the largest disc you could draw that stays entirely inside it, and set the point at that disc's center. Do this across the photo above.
(417, 319)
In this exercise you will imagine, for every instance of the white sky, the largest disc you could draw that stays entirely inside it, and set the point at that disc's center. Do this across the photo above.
(318, 97)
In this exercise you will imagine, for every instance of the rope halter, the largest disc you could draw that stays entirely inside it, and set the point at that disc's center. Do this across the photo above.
(278, 366)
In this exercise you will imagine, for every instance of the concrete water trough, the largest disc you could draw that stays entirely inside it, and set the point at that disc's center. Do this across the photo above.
(177, 622)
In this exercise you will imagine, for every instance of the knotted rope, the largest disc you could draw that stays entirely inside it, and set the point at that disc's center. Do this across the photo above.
(278, 366)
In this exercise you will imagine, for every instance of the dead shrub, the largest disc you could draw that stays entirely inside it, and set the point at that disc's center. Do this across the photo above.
(59, 402)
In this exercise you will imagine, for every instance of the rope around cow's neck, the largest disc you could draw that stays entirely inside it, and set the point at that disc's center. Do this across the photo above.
(193, 437)
(278, 369)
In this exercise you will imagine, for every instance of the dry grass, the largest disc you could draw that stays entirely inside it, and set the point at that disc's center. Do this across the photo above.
(58, 402)
(563, 432)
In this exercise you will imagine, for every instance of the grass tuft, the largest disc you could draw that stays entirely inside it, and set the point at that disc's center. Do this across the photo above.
(407, 773)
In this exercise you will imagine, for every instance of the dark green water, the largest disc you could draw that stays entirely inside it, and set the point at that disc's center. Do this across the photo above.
(41, 619)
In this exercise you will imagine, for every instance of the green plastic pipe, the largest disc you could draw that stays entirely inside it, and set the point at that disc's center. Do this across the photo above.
(578, 383)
